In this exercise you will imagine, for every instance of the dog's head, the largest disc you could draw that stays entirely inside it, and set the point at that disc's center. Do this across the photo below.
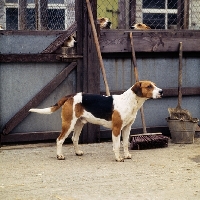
(140, 26)
(104, 22)
(70, 41)
(147, 89)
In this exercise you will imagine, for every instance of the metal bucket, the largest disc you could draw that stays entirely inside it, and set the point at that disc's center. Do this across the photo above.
(70, 51)
(182, 132)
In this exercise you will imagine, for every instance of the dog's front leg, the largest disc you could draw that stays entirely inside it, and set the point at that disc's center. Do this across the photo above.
(116, 133)
(116, 147)
(125, 135)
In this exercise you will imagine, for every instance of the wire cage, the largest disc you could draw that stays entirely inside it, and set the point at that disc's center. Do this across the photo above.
(37, 14)
(60, 14)
(157, 14)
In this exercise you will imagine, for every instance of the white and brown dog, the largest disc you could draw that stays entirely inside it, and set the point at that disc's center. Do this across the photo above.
(70, 41)
(104, 22)
(140, 26)
(117, 112)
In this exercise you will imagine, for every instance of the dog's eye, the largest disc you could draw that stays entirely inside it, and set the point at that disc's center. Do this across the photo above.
(150, 86)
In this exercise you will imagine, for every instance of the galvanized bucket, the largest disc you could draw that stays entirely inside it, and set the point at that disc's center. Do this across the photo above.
(182, 132)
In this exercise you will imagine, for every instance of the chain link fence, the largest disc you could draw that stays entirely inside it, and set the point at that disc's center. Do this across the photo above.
(157, 14)
(60, 14)
(37, 14)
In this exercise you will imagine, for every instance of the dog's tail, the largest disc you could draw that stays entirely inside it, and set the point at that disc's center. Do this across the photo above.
(52, 108)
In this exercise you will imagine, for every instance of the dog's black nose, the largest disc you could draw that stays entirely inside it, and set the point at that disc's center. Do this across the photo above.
(132, 27)
(161, 92)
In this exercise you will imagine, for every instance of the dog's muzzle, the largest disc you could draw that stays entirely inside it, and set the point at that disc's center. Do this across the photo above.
(108, 25)
(160, 93)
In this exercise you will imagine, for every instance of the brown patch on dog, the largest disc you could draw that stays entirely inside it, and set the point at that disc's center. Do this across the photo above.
(140, 26)
(104, 22)
(78, 110)
(116, 123)
(143, 89)
(60, 103)
(69, 42)
(137, 89)
(67, 116)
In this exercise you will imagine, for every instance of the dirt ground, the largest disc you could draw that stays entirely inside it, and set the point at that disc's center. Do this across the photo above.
(32, 171)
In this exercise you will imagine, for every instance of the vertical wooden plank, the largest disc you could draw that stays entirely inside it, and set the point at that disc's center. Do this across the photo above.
(36, 14)
(79, 16)
(93, 73)
(121, 15)
(132, 12)
(88, 77)
(79, 38)
(22, 14)
(186, 14)
(183, 14)
(180, 10)
(43, 15)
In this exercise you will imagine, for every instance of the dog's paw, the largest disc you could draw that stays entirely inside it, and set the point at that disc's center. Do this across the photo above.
(120, 159)
(60, 157)
(128, 156)
(79, 153)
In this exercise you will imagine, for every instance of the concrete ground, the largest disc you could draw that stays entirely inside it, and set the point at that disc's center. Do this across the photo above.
(32, 172)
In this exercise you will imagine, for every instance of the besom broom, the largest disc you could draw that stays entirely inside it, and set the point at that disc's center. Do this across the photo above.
(178, 113)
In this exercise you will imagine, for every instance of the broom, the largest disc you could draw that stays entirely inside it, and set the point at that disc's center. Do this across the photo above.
(178, 113)
(145, 140)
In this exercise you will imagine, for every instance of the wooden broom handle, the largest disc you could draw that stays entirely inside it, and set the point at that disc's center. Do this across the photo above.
(96, 41)
(180, 74)
(137, 79)
(134, 58)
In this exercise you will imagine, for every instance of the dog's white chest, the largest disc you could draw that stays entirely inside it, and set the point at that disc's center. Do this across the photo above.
(127, 105)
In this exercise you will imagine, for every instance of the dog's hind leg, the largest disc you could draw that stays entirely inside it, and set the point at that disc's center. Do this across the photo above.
(68, 123)
(66, 130)
(75, 138)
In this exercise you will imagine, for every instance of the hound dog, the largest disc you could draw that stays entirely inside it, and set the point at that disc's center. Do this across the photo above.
(117, 112)
(104, 22)
(140, 26)
(70, 41)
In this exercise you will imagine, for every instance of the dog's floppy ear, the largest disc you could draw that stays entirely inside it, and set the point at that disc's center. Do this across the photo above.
(137, 89)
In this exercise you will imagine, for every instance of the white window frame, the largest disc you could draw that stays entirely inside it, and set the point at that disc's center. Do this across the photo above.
(166, 11)
(67, 6)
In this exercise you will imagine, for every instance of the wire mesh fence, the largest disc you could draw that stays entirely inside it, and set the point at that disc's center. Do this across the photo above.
(60, 14)
(37, 14)
(157, 14)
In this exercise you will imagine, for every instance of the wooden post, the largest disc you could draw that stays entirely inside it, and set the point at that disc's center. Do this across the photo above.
(88, 71)
(132, 13)
(179, 14)
(186, 14)
(183, 14)
(22, 15)
(43, 15)
(121, 15)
